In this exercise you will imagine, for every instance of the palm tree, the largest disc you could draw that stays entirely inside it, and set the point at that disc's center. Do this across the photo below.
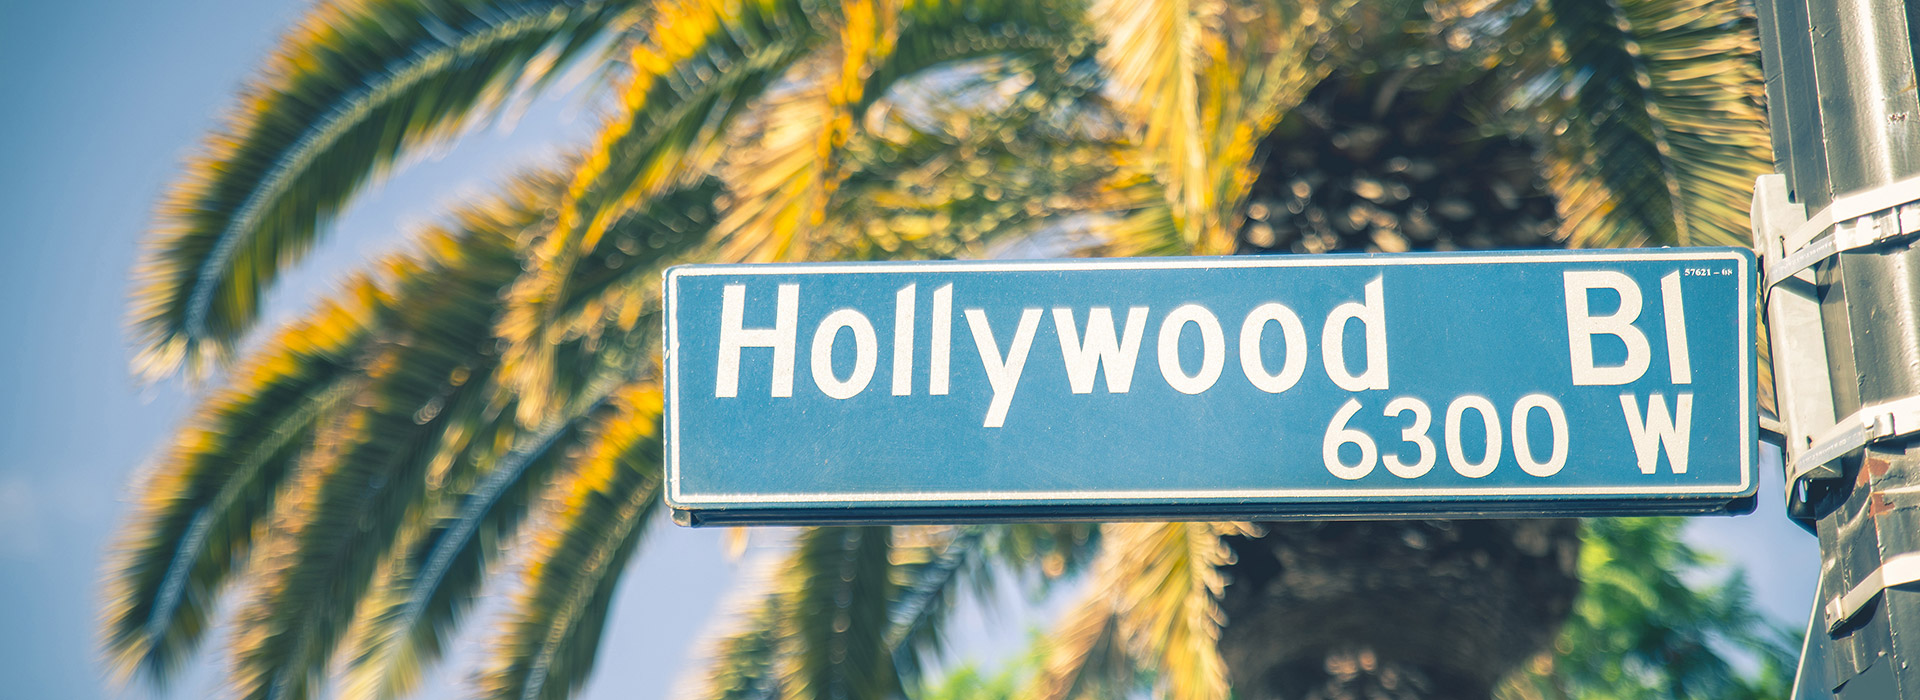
(481, 414)
(1638, 632)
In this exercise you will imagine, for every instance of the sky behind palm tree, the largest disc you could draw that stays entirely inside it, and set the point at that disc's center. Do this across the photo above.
(101, 101)
(105, 100)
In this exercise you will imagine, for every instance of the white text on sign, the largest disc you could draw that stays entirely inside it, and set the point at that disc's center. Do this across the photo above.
(1102, 345)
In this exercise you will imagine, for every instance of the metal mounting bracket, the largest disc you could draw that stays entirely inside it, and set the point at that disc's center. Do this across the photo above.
(1802, 393)
(1791, 243)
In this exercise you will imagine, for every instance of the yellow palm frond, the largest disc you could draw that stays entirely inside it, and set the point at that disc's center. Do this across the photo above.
(1203, 81)
(695, 72)
(1155, 598)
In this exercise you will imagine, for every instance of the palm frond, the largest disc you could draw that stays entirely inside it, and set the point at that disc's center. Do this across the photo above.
(1156, 594)
(200, 506)
(348, 92)
(785, 167)
(1085, 657)
(743, 663)
(1262, 68)
(1204, 80)
(611, 301)
(1664, 132)
(936, 565)
(1170, 607)
(833, 628)
(937, 32)
(1156, 51)
(700, 66)
(618, 283)
(844, 604)
(787, 176)
(1055, 551)
(933, 563)
(791, 158)
(1026, 152)
(1142, 223)
(367, 483)
(422, 602)
(548, 642)
(696, 71)
(784, 123)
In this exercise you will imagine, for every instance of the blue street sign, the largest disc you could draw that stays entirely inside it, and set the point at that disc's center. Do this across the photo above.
(1455, 384)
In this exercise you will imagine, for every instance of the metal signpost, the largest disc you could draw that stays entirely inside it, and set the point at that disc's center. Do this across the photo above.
(1842, 296)
(1522, 383)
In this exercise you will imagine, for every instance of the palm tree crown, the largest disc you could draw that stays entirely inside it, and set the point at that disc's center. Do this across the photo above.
(485, 407)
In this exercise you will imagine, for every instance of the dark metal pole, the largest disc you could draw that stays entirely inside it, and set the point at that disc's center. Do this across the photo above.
(1845, 114)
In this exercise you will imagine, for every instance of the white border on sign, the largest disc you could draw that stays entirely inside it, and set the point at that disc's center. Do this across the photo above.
(676, 498)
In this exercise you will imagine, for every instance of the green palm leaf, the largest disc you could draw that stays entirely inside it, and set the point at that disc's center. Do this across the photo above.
(1014, 146)
(1203, 80)
(834, 585)
(1640, 628)
(430, 391)
(787, 174)
(925, 596)
(612, 297)
(935, 565)
(697, 71)
(833, 628)
(423, 601)
(708, 64)
(825, 625)
(933, 33)
(786, 167)
(548, 642)
(743, 661)
(345, 95)
(1664, 133)
(201, 505)
(617, 283)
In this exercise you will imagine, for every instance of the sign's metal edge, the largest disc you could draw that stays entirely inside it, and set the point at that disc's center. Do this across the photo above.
(678, 500)
(1750, 371)
(971, 512)
(1201, 263)
(1151, 497)
(671, 406)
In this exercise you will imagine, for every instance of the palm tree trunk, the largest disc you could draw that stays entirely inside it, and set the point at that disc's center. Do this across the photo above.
(1402, 610)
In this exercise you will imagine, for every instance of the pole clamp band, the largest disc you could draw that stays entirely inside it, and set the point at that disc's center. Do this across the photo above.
(1839, 227)
(1866, 426)
(1898, 571)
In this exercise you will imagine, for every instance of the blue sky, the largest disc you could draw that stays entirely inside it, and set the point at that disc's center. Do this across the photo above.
(104, 99)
